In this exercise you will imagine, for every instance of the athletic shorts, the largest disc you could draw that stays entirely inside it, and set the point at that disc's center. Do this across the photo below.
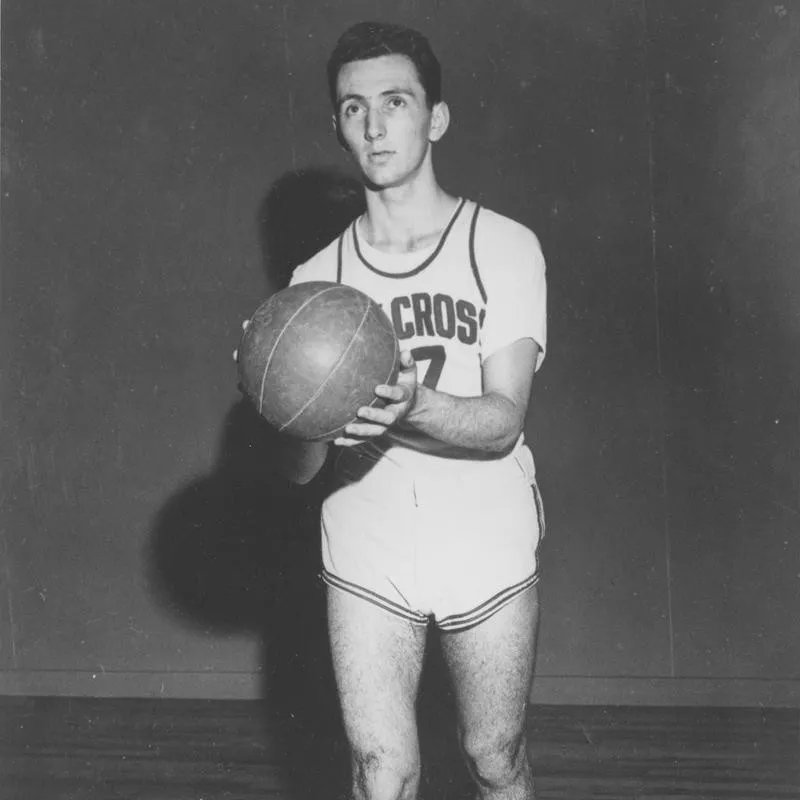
(451, 548)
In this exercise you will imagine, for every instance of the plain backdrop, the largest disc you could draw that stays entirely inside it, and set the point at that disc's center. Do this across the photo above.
(166, 163)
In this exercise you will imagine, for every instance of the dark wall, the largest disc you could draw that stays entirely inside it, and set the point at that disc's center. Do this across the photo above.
(727, 201)
(164, 166)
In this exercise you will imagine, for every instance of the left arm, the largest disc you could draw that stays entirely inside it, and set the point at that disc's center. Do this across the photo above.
(513, 336)
(487, 424)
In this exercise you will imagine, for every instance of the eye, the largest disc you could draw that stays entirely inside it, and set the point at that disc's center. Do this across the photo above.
(396, 101)
(350, 109)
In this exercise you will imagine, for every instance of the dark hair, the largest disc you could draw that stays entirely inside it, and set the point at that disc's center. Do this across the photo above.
(374, 39)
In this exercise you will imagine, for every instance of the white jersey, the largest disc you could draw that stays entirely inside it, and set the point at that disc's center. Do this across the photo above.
(478, 289)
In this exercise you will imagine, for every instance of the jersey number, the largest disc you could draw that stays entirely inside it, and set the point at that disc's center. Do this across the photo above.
(435, 353)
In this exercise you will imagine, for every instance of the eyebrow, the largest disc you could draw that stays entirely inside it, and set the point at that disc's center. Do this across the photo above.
(386, 93)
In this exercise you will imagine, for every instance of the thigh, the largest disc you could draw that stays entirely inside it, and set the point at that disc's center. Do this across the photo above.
(377, 660)
(481, 546)
(491, 666)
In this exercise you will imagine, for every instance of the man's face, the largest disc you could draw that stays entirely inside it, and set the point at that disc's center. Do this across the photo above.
(384, 120)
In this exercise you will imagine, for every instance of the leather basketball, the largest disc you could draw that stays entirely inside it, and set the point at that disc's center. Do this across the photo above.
(313, 354)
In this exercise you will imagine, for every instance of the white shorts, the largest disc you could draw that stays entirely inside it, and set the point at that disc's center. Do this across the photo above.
(451, 548)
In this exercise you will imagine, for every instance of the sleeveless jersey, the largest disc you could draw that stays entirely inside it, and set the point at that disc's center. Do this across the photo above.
(443, 306)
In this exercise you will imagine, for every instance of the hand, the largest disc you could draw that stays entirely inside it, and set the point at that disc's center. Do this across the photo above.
(245, 325)
(400, 398)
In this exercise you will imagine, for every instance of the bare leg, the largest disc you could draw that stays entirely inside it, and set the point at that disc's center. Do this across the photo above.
(492, 668)
(377, 659)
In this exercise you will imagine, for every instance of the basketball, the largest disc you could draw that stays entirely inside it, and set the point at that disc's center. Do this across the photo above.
(313, 354)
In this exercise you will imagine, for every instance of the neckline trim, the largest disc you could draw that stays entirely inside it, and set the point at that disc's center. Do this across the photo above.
(419, 267)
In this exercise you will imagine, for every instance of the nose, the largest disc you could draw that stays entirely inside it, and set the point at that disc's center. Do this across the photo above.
(374, 125)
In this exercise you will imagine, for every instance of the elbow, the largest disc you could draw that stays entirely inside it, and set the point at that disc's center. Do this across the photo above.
(301, 479)
(510, 430)
(301, 474)
(503, 446)
(505, 440)
(302, 462)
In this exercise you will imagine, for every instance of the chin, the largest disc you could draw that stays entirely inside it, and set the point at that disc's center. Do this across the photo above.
(378, 182)
(386, 179)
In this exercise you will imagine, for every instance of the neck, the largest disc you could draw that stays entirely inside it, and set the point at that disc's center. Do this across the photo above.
(407, 218)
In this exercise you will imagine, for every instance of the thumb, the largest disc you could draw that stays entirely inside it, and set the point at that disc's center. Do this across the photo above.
(407, 360)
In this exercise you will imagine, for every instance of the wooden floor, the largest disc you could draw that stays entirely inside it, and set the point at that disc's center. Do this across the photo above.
(95, 749)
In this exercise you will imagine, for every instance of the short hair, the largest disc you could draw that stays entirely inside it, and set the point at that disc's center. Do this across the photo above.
(366, 40)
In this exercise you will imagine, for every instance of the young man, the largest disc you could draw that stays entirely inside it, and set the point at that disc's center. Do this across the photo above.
(435, 518)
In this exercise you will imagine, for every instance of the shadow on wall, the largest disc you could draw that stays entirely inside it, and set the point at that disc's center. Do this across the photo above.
(237, 550)
(303, 212)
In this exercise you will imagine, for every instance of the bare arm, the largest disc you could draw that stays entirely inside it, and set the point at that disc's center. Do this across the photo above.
(489, 423)
(299, 461)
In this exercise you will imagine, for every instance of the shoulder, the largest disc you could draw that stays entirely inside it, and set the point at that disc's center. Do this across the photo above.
(492, 226)
(501, 239)
(322, 266)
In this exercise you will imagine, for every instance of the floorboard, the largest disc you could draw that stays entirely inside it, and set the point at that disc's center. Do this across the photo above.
(139, 749)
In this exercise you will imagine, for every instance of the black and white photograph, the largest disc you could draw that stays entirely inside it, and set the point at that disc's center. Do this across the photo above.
(400, 400)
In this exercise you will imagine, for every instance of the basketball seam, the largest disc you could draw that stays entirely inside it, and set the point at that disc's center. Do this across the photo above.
(333, 369)
(277, 342)
(375, 400)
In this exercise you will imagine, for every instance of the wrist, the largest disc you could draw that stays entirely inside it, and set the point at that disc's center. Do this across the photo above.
(417, 407)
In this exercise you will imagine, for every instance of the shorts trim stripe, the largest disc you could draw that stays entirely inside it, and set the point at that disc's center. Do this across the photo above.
(469, 619)
(374, 598)
(537, 498)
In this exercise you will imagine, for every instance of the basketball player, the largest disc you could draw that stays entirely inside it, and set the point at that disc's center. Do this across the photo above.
(435, 518)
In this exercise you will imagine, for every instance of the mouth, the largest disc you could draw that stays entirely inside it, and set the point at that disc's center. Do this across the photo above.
(380, 156)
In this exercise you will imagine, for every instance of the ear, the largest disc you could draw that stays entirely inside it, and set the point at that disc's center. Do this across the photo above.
(440, 121)
(338, 132)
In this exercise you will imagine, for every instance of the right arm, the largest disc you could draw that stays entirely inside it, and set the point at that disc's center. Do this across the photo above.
(299, 461)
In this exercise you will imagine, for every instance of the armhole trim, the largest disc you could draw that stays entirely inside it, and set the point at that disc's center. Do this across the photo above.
(472, 260)
(339, 259)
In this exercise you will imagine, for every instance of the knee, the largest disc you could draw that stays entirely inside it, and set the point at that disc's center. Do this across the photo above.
(379, 775)
(496, 761)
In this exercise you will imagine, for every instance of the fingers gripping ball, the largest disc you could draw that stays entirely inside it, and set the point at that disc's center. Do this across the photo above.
(313, 354)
